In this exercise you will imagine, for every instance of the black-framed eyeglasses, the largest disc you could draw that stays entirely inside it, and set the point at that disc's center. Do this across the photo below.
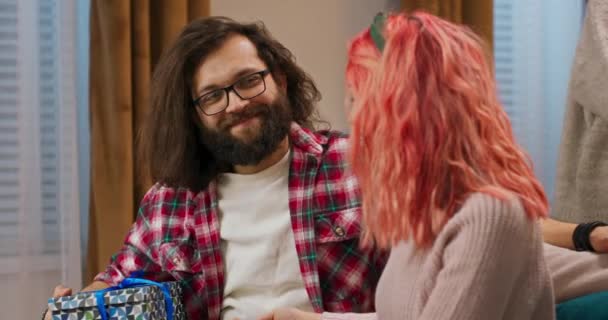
(247, 87)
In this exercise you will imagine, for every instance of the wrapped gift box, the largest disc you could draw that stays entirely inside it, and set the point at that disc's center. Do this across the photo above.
(138, 301)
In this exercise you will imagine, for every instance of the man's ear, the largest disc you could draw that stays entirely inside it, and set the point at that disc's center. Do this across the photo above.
(281, 82)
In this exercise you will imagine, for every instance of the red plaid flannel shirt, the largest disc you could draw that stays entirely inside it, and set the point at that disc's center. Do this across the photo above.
(177, 232)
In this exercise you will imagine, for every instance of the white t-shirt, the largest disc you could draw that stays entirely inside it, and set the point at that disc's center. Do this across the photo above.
(262, 270)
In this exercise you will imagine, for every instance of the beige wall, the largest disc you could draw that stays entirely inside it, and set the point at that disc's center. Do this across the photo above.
(317, 32)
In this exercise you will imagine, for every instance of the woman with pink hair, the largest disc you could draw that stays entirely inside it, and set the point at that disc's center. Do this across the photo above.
(444, 185)
(443, 182)
(580, 279)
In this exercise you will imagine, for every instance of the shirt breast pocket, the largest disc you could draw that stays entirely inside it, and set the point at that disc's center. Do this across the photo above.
(336, 226)
(341, 264)
(180, 259)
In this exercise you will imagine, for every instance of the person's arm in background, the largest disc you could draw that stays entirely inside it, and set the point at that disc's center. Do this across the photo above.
(559, 234)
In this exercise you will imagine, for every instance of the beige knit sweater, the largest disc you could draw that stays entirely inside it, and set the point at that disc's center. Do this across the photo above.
(574, 274)
(582, 171)
(487, 263)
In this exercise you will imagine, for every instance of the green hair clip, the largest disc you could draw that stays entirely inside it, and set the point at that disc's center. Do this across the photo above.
(376, 30)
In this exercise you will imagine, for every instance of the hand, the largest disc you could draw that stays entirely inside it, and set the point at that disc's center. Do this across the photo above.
(599, 239)
(290, 314)
(60, 291)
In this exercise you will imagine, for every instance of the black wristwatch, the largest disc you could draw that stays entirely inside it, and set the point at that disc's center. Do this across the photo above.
(581, 237)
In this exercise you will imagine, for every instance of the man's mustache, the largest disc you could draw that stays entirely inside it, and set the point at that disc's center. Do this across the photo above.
(246, 114)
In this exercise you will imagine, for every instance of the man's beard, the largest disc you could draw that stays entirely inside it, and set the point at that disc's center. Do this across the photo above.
(275, 122)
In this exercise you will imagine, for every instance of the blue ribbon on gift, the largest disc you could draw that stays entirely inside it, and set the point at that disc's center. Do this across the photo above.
(133, 282)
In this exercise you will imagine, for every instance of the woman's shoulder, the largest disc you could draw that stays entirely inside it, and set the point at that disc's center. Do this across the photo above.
(488, 218)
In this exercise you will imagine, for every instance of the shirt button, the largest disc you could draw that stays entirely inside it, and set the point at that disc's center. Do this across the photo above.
(339, 231)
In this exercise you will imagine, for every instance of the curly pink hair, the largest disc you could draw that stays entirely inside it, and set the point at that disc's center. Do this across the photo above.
(363, 58)
(428, 130)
